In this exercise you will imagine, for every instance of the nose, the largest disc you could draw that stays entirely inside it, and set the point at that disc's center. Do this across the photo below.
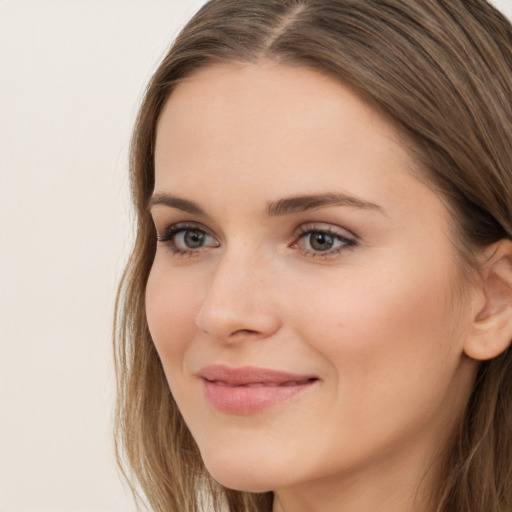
(239, 302)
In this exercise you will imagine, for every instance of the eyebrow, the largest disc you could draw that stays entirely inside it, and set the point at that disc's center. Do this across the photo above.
(298, 204)
(175, 202)
(281, 207)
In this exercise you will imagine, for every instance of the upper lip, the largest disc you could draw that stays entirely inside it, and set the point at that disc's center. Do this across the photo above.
(246, 375)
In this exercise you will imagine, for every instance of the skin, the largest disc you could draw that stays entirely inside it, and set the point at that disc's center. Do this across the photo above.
(376, 320)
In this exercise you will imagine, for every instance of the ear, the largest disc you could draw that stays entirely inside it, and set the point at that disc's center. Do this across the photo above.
(491, 332)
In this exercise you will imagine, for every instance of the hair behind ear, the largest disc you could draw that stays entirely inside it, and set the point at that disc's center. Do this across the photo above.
(483, 445)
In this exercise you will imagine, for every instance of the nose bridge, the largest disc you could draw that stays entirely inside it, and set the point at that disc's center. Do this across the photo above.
(239, 298)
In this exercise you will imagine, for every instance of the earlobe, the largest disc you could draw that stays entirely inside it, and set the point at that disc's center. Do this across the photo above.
(492, 326)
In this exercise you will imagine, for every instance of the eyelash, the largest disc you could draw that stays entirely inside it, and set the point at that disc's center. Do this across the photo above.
(345, 242)
(168, 238)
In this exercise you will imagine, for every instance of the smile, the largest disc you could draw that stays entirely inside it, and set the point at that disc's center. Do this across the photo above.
(248, 390)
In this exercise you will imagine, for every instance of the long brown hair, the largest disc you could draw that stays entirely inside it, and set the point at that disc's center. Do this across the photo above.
(442, 71)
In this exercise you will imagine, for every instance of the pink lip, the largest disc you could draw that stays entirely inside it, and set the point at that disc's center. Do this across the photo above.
(249, 389)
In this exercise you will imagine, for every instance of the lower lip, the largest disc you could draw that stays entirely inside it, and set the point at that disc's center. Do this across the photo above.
(243, 400)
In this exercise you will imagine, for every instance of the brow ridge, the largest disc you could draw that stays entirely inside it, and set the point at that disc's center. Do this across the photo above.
(280, 207)
(175, 202)
(302, 203)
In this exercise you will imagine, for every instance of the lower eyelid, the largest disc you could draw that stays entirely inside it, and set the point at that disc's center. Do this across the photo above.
(168, 240)
(343, 243)
(167, 237)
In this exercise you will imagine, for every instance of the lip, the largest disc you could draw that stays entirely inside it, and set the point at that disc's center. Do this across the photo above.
(248, 389)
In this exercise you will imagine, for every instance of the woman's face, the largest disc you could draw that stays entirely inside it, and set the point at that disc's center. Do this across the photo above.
(302, 297)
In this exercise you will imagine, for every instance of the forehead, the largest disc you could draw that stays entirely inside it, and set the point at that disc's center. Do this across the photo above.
(246, 96)
(271, 121)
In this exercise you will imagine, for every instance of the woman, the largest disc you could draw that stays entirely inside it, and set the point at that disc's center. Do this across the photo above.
(317, 312)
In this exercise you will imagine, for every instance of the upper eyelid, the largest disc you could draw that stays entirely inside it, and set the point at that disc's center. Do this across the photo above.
(327, 228)
(184, 225)
(172, 230)
(346, 239)
(163, 222)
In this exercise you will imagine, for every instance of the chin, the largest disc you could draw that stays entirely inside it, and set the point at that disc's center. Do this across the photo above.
(248, 481)
(244, 473)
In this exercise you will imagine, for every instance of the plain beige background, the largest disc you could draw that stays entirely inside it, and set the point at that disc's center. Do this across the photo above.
(71, 76)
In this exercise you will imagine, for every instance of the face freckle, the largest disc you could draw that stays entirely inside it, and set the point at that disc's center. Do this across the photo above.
(365, 327)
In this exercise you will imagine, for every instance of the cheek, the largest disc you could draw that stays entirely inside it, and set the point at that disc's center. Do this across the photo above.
(392, 354)
(380, 329)
(171, 308)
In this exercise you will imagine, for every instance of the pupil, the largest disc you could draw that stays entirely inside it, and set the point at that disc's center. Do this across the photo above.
(194, 239)
(321, 241)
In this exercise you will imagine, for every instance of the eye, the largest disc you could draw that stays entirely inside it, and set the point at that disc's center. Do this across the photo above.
(317, 241)
(187, 239)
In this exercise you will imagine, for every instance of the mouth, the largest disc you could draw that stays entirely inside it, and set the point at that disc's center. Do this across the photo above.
(248, 390)
(290, 383)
